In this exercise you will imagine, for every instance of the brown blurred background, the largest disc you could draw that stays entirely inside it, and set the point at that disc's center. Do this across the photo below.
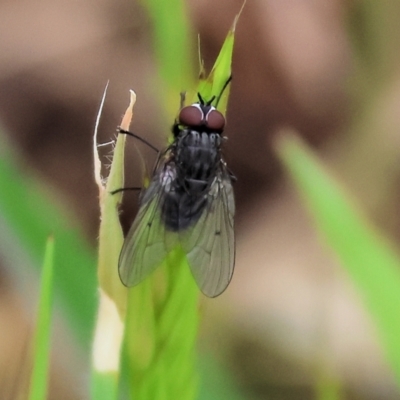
(290, 312)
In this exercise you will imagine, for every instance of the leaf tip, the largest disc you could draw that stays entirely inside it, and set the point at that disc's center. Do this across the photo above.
(97, 162)
(235, 21)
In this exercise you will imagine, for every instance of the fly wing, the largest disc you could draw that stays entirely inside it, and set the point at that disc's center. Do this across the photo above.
(146, 244)
(210, 244)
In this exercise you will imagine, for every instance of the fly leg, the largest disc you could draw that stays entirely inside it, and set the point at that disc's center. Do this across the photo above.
(123, 189)
(223, 90)
(232, 176)
(175, 127)
(125, 132)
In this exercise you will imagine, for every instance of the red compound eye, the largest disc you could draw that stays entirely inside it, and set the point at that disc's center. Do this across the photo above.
(215, 120)
(190, 116)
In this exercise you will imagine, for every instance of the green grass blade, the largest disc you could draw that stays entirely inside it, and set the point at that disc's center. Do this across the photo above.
(41, 344)
(365, 254)
(172, 41)
(113, 295)
(161, 333)
(215, 82)
(110, 233)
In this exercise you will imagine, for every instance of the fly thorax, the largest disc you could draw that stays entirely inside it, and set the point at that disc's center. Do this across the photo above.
(167, 177)
(197, 155)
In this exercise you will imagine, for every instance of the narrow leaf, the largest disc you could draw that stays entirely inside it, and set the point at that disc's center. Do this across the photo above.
(41, 344)
(215, 83)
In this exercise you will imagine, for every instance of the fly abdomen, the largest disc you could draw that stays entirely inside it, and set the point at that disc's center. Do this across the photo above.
(181, 210)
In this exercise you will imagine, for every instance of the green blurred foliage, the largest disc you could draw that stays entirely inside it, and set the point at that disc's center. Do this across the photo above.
(369, 260)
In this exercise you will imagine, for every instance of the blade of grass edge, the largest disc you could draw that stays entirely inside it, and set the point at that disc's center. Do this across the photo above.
(365, 254)
(41, 343)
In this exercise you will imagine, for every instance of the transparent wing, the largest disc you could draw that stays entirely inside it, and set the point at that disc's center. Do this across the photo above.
(210, 243)
(147, 242)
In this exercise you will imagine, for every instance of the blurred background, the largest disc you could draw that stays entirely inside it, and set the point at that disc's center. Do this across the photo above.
(328, 70)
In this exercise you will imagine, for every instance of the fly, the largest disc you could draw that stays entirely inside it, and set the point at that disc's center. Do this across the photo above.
(189, 202)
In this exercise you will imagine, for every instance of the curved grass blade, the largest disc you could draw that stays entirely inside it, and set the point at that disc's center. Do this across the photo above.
(41, 343)
(110, 232)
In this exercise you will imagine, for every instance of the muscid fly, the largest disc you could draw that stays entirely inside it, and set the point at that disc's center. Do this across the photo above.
(189, 202)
